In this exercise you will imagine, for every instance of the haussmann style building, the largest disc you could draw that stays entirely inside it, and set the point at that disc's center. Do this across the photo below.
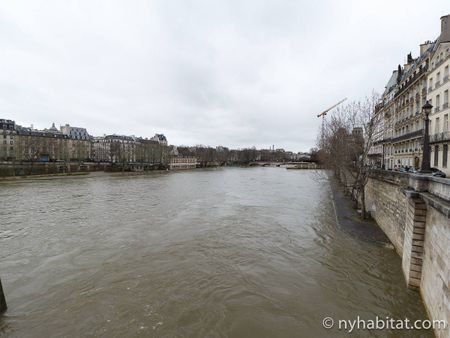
(399, 142)
(438, 91)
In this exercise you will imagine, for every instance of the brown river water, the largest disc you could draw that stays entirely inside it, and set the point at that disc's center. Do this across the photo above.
(227, 252)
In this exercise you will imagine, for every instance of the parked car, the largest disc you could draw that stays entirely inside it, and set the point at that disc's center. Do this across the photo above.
(407, 169)
(438, 173)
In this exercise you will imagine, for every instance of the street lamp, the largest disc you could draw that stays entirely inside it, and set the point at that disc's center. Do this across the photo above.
(425, 168)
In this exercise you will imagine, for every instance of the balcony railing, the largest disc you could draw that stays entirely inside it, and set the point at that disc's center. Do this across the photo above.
(413, 134)
(445, 106)
(440, 137)
(406, 118)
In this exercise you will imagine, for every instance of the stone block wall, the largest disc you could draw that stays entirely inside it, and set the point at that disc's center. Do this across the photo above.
(435, 283)
(414, 212)
(387, 204)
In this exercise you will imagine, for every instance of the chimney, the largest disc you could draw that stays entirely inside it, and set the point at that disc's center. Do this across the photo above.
(409, 59)
(424, 47)
(406, 67)
(445, 28)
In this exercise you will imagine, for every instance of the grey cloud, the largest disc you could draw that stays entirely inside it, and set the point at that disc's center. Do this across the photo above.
(234, 73)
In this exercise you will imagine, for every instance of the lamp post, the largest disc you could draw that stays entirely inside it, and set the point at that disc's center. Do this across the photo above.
(425, 168)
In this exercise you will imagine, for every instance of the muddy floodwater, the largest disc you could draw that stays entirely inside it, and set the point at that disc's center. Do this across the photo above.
(227, 252)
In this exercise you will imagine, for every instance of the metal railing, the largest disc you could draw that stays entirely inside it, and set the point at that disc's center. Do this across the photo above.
(413, 134)
(440, 137)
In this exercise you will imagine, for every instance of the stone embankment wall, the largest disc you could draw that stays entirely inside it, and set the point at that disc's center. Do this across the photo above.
(414, 212)
(49, 168)
(45, 168)
(386, 203)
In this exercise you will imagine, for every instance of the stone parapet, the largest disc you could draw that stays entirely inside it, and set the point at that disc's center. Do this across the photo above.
(414, 212)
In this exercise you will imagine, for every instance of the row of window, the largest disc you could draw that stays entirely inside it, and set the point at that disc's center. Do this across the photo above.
(438, 78)
(437, 124)
(418, 125)
(444, 155)
(437, 101)
(412, 146)
(5, 148)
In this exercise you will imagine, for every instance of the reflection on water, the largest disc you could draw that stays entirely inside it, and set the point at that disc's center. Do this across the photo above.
(227, 252)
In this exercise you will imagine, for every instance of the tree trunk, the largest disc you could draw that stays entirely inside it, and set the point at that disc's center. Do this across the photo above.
(363, 204)
(2, 300)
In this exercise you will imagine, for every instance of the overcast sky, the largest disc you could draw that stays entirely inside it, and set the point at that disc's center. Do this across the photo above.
(237, 73)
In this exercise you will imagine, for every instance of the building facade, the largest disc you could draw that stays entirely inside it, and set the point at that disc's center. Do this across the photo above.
(42, 146)
(27, 144)
(114, 148)
(386, 113)
(183, 162)
(150, 151)
(400, 108)
(438, 95)
(407, 120)
(375, 154)
(129, 149)
(7, 139)
(74, 144)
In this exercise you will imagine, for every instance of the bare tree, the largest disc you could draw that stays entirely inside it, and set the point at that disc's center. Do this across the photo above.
(344, 147)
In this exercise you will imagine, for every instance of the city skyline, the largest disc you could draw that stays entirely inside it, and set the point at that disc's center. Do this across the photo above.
(58, 128)
(233, 74)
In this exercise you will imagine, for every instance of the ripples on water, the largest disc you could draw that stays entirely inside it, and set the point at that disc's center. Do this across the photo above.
(208, 253)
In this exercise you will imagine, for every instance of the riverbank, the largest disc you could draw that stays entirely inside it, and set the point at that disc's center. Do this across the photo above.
(97, 174)
(414, 213)
(44, 176)
(348, 219)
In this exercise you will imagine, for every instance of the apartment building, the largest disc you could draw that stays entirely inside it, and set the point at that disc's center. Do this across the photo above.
(438, 95)
(386, 110)
(407, 120)
(114, 148)
(423, 78)
(7, 139)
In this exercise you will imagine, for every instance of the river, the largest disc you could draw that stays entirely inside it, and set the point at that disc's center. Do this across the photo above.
(230, 252)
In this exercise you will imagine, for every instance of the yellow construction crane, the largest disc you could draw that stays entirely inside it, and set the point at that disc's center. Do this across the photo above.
(324, 113)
